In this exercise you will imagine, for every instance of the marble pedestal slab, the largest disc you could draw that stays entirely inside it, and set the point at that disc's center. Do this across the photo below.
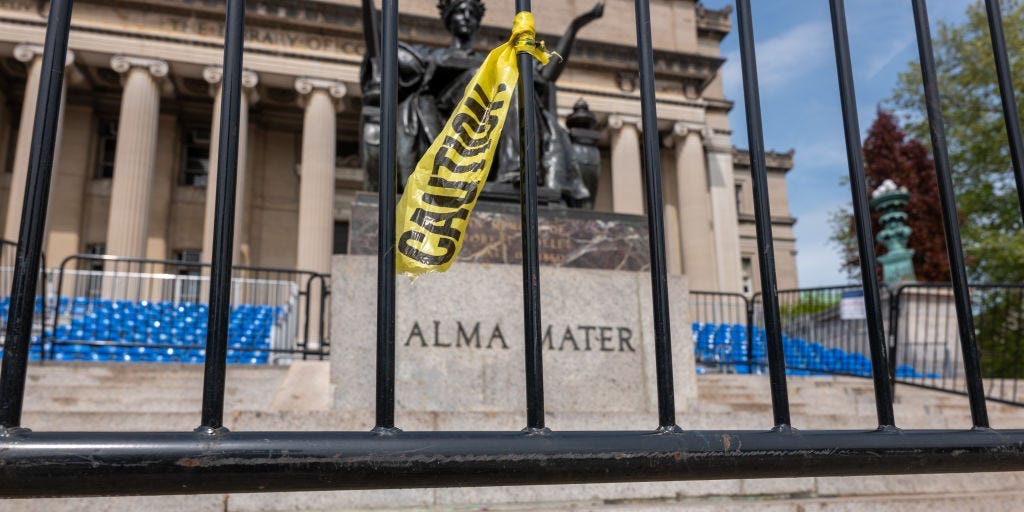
(567, 237)
(460, 346)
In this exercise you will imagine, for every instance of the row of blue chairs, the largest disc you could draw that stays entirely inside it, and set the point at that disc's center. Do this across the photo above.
(161, 330)
(166, 323)
(726, 345)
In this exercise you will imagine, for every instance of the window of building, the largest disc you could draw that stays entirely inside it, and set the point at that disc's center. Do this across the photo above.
(187, 287)
(92, 285)
(196, 161)
(106, 148)
(748, 280)
(341, 237)
(739, 197)
(12, 141)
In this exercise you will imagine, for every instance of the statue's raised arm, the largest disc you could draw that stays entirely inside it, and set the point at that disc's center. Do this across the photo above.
(370, 74)
(553, 70)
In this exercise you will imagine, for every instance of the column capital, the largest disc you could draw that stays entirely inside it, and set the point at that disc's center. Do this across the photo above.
(617, 121)
(719, 141)
(26, 52)
(250, 79)
(681, 129)
(124, 63)
(214, 74)
(336, 90)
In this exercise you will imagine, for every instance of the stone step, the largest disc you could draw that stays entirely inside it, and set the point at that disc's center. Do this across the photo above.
(111, 421)
(355, 501)
(140, 398)
(167, 375)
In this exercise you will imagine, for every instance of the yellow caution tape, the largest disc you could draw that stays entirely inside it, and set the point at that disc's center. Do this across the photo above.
(433, 213)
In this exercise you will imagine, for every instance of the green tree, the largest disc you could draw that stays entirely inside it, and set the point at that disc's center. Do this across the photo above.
(978, 150)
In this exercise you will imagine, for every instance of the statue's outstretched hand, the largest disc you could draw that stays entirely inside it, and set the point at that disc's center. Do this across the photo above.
(595, 13)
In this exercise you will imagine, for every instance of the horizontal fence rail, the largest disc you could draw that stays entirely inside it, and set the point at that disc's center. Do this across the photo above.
(778, 333)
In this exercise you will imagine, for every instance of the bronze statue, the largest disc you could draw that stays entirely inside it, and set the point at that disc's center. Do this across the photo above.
(431, 83)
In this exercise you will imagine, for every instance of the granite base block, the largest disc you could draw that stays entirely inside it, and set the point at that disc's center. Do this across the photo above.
(460, 342)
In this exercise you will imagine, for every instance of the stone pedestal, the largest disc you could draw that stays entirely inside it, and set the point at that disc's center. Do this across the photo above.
(927, 331)
(460, 352)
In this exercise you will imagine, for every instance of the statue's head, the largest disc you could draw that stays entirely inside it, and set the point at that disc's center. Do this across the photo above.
(461, 17)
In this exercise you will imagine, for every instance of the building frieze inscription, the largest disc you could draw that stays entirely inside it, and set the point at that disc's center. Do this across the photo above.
(484, 336)
(201, 30)
(21, 6)
(310, 32)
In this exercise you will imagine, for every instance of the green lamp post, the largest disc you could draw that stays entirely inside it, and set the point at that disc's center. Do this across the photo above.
(897, 263)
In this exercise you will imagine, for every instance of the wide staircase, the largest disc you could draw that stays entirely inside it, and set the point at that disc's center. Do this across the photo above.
(119, 396)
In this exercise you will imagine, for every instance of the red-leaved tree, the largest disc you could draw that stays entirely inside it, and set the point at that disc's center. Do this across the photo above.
(890, 154)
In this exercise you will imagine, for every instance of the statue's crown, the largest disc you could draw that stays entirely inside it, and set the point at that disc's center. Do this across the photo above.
(445, 7)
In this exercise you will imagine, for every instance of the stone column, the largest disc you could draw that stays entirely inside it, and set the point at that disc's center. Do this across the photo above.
(5, 133)
(32, 56)
(321, 101)
(723, 213)
(136, 154)
(250, 79)
(695, 223)
(627, 170)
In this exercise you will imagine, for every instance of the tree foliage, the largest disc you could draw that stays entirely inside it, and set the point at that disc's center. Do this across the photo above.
(890, 154)
(976, 134)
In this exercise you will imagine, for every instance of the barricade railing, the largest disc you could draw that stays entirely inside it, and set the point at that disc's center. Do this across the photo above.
(823, 330)
(825, 333)
(212, 459)
(926, 339)
(102, 305)
(8, 252)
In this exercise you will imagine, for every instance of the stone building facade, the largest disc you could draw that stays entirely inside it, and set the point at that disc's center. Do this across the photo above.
(139, 127)
(782, 221)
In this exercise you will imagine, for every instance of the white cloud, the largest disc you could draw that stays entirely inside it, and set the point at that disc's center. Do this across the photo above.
(821, 155)
(880, 60)
(783, 58)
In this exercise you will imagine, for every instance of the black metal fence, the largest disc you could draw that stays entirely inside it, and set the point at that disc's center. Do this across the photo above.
(211, 459)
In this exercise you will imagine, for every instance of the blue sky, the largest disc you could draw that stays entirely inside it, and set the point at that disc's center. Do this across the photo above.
(800, 99)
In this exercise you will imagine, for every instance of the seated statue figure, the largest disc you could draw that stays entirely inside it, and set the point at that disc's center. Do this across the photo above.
(432, 82)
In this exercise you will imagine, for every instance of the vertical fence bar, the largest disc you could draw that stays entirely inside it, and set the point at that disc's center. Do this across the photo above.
(655, 220)
(1010, 114)
(748, 305)
(386, 217)
(862, 218)
(224, 221)
(531, 260)
(33, 219)
(950, 220)
(763, 218)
